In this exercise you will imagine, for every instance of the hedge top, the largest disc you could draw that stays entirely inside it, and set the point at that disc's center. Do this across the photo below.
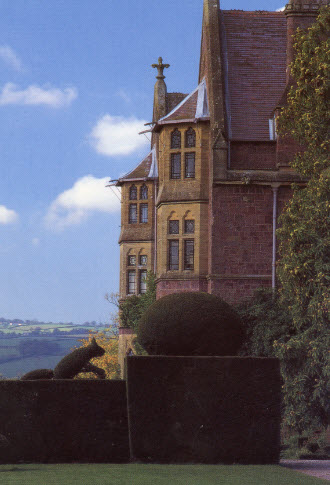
(190, 323)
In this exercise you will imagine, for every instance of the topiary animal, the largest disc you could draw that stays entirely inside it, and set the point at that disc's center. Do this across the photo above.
(38, 374)
(78, 361)
(190, 323)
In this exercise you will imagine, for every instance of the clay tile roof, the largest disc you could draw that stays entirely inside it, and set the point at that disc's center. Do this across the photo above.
(173, 99)
(186, 111)
(255, 45)
(141, 171)
(192, 107)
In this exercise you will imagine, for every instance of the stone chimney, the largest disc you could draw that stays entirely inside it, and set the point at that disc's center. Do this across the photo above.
(160, 92)
(299, 13)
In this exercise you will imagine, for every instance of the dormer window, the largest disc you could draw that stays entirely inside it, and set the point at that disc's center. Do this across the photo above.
(144, 192)
(133, 193)
(176, 139)
(190, 138)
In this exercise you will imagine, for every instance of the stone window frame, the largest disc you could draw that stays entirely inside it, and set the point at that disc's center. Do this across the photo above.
(130, 258)
(133, 213)
(143, 281)
(131, 282)
(188, 172)
(141, 263)
(176, 139)
(190, 133)
(143, 192)
(173, 261)
(185, 224)
(172, 227)
(143, 213)
(133, 192)
(188, 254)
(175, 173)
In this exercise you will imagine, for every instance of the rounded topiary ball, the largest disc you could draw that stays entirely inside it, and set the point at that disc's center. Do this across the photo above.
(190, 323)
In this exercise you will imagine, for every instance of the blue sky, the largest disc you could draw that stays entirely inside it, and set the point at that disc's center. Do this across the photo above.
(76, 87)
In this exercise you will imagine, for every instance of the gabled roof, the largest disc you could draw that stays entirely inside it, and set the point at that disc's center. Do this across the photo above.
(254, 49)
(193, 107)
(147, 169)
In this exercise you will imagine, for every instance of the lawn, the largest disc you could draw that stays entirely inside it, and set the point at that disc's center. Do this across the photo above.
(135, 474)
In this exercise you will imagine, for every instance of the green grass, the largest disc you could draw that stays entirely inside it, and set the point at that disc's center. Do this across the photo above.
(132, 474)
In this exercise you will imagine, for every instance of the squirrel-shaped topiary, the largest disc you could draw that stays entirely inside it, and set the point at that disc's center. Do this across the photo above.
(190, 323)
(72, 364)
(38, 374)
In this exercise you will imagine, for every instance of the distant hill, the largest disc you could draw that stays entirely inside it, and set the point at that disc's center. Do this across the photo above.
(17, 321)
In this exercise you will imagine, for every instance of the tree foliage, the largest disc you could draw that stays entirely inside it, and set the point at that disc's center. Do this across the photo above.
(304, 247)
(265, 320)
(109, 361)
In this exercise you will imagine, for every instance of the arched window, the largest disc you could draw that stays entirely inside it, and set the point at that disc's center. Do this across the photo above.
(144, 192)
(176, 139)
(132, 193)
(190, 138)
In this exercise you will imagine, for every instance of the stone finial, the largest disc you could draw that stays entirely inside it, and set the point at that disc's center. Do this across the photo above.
(160, 68)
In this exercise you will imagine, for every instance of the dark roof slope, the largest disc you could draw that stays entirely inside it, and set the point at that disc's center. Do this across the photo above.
(141, 171)
(255, 52)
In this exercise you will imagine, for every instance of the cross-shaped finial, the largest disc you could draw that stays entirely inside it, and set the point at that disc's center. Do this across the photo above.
(160, 68)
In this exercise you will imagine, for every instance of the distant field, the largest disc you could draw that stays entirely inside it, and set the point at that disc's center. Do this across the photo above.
(48, 328)
(21, 365)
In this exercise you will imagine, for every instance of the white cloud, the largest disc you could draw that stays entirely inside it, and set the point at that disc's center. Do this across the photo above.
(7, 216)
(8, 55)
(280, 9)
(86, 196)
(36, 95)
(116, 135)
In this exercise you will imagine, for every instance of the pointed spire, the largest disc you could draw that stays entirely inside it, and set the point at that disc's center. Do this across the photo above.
(160, 92)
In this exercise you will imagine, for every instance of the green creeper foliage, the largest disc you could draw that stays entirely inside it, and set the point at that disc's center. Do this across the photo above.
(306, 115)
(304, 236)
(133, 307)
(190, 323)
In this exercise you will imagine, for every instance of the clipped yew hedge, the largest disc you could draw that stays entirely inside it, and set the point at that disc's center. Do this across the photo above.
(62, 421)
(190, 323)
(204, 409)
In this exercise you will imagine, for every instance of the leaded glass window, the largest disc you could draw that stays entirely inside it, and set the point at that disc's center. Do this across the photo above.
(143, 213)
(173, 255)
(176, 139)
(133, 193)
(144, 192)
(189, 167)
(131, 260)
(188, 256)
(143, 281)
(132, 214)
(131, 282)
(189, 226)
(173, 227)
(143, 260)
(175, 166)
(190, 138)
